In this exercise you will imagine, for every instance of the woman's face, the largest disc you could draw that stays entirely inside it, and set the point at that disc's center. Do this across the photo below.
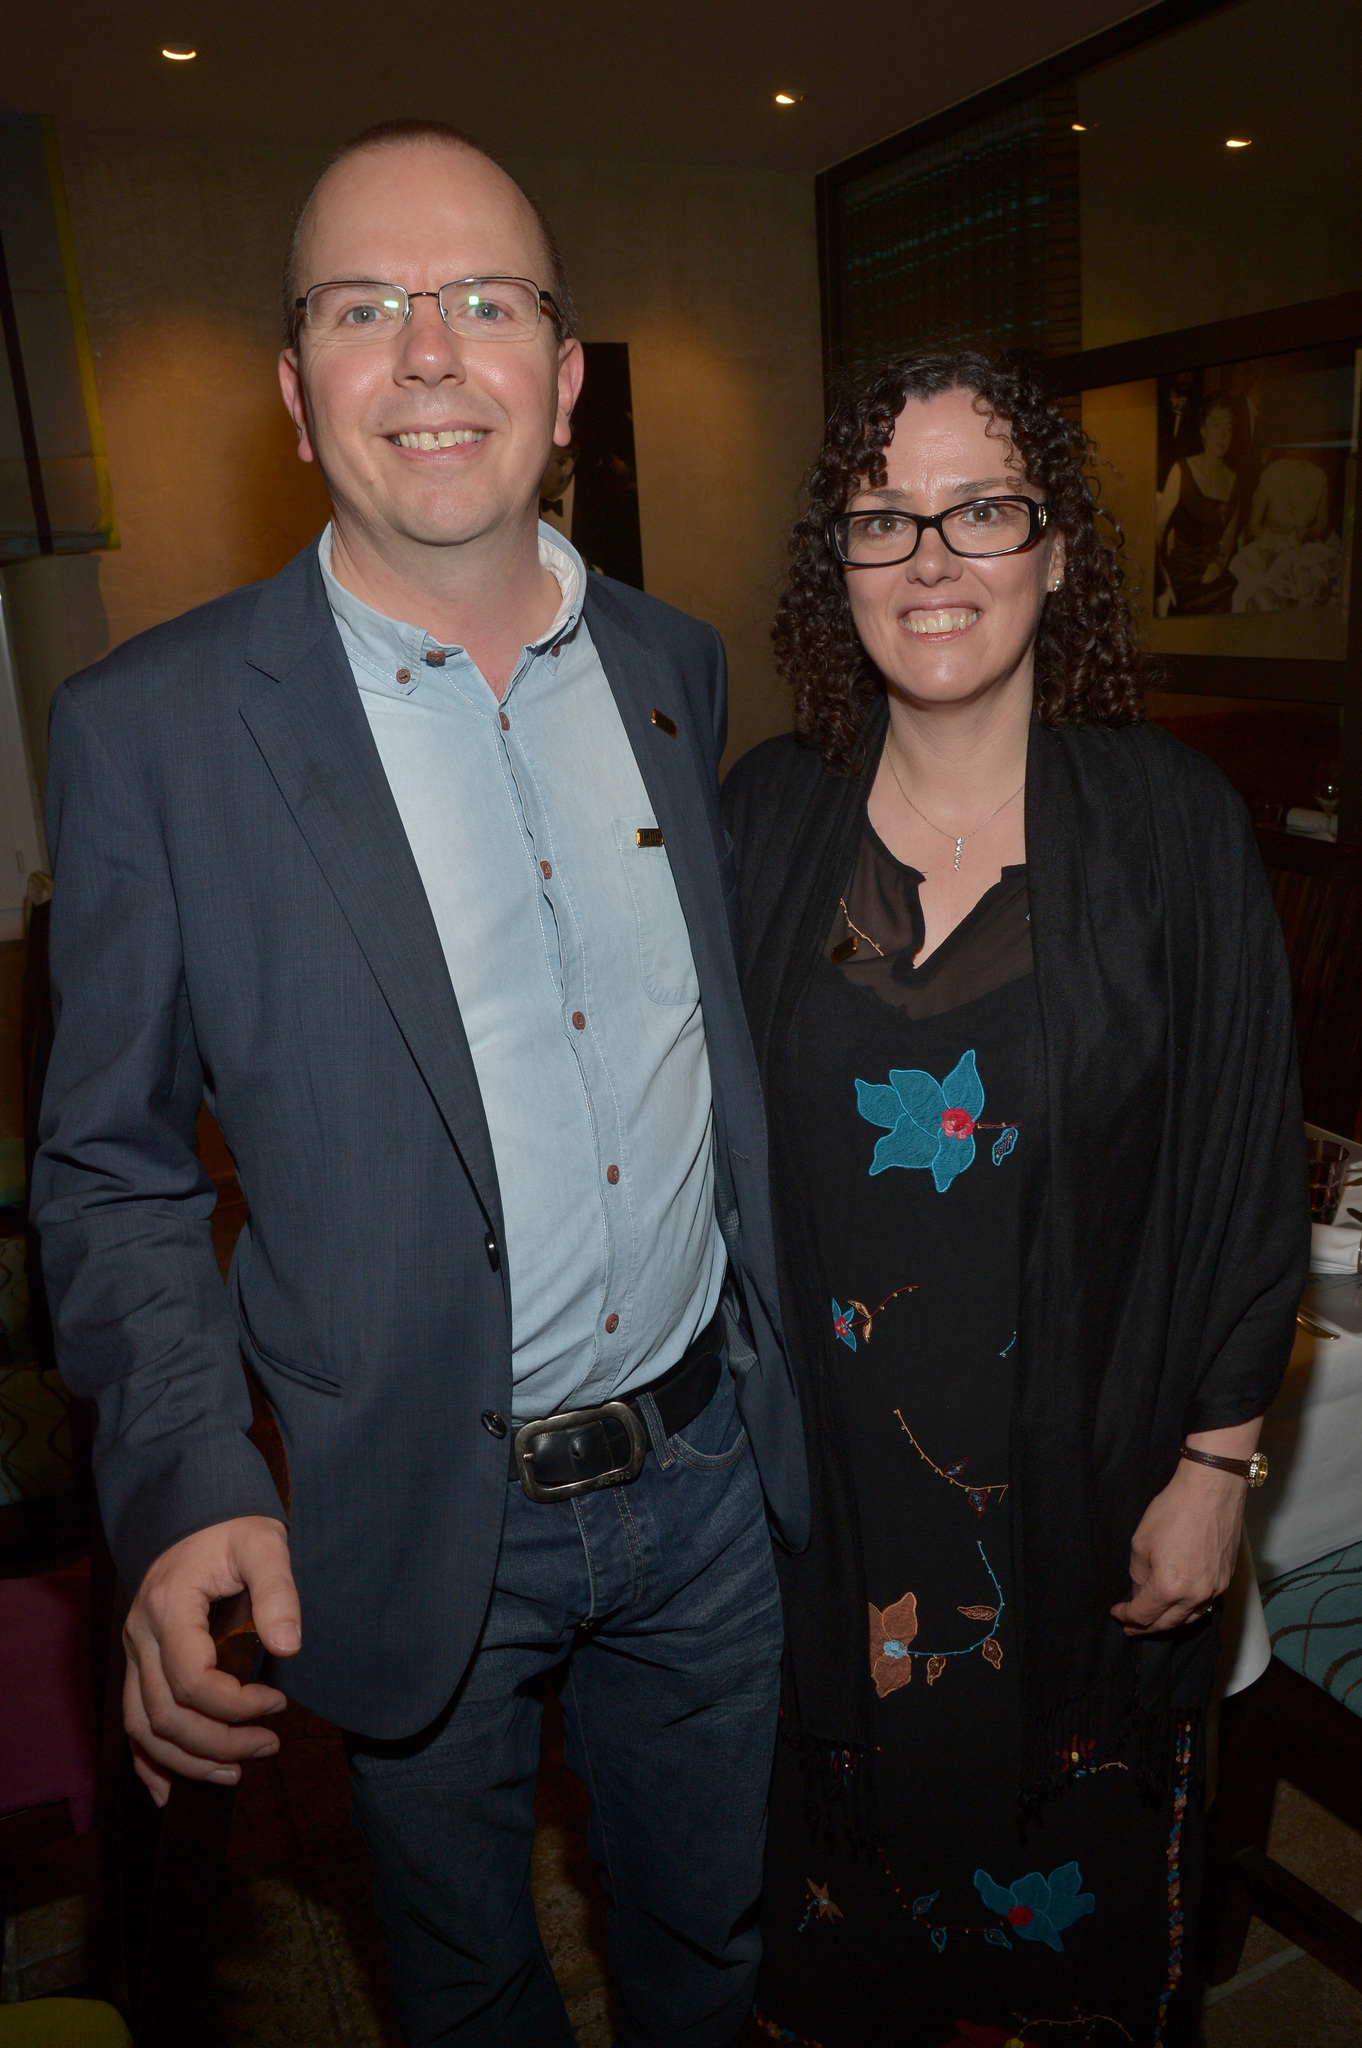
(943, 628)
(1217, 431)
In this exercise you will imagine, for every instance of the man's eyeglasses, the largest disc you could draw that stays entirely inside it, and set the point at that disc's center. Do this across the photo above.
(985, 526)
(352, 311)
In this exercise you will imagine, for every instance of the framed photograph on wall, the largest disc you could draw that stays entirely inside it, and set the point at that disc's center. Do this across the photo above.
(1235, 484)
(1228, 454)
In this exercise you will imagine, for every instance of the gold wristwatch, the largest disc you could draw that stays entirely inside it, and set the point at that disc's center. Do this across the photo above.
(1253, 1469)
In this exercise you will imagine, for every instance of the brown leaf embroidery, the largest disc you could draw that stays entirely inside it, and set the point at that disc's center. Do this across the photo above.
(977, 1613)
(891, 1631)
(935, 1667)
(820, 1903)
(993, 1650)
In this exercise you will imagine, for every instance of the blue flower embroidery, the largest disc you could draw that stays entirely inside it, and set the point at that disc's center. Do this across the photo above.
(930, 1123)
(842, 1323)
(1035, 1907)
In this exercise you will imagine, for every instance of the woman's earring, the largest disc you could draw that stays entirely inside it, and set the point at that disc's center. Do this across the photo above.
(1059, 585)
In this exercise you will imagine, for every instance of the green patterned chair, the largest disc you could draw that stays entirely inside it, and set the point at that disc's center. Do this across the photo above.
(1301, 1721)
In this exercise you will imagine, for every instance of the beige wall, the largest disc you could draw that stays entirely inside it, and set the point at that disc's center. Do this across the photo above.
(709, 275)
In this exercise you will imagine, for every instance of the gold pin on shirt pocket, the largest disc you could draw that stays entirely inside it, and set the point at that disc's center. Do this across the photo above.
(665, 961)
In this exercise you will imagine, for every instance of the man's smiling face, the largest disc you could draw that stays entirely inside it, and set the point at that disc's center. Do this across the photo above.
(428, 437)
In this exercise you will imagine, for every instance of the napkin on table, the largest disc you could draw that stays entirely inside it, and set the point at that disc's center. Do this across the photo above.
(1334, 1246)
(1301, 819)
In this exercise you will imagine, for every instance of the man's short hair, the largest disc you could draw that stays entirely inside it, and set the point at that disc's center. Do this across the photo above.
(378, 137)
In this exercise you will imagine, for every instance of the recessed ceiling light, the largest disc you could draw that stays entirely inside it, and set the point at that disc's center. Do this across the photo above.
(788, 99)
(1079, 127)
(1238, 141)
(178, 53)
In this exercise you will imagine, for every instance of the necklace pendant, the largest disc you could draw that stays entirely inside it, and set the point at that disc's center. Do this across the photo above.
(958, 845)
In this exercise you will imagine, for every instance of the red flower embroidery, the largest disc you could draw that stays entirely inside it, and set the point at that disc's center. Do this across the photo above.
(957, 1123)
(1021, 1916)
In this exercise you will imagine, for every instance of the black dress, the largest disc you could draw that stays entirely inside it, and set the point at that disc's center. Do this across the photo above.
(1195, 536)
(965, 1924)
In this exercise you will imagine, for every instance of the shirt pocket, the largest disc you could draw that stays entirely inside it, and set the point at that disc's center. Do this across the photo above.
(665, 958)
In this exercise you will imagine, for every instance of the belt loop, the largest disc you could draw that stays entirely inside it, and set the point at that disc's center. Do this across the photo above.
(657, 1435)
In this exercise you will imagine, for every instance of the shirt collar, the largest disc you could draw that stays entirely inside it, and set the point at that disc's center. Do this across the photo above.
(387, 645)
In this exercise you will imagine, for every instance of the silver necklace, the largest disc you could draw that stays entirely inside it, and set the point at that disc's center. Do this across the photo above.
(958, 837)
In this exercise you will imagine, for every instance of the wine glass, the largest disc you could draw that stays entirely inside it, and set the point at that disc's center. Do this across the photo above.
(1327, 793)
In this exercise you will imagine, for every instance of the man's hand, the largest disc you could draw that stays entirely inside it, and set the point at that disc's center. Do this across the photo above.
(182, 1714)
(1183, 1553)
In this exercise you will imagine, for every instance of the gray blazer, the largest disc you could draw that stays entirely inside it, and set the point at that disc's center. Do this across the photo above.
(237, 915)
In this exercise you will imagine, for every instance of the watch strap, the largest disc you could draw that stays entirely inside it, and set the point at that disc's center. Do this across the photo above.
(1242, 1468)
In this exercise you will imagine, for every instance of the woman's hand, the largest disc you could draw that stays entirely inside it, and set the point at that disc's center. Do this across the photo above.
(1183, 1554)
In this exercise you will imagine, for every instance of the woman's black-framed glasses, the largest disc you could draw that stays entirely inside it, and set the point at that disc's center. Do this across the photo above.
(351, 310)
(984, 526)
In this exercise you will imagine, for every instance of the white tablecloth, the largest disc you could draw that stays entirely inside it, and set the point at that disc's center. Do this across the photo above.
(1312, 1502)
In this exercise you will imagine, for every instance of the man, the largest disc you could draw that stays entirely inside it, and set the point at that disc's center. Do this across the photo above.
(409, 860)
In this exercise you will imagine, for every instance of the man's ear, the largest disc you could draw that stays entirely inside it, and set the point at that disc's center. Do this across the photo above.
(571, 371)
(295, 401)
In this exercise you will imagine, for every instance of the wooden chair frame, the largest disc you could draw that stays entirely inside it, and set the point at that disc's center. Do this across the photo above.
(1281, 1727)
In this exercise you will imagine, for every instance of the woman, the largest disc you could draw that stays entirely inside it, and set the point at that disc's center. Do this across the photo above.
(1019, 997)
(1196, 521)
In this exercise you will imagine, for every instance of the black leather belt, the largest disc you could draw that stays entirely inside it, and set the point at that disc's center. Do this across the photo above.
(582, 1449)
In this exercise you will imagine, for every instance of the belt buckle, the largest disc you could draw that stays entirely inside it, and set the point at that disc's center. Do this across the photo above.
(573, 1418)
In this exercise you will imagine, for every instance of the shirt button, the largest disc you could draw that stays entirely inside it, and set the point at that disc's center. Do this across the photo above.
(612, 1174)
(557, 651)
(578, 1021)
(493, 1423)
(612, 1323)
(435, 657)
(505, 722)
(546, 871)
(404, 675)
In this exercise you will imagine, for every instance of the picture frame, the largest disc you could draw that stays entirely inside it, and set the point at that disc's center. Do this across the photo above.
(1115, 391)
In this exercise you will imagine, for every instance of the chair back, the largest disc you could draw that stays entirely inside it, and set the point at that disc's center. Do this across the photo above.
(1317, 888)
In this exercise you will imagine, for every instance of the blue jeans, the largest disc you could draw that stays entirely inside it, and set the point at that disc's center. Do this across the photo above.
(656, 1606)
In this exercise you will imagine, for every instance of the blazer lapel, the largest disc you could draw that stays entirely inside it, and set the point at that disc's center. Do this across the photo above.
(640, 683)
(305, 715)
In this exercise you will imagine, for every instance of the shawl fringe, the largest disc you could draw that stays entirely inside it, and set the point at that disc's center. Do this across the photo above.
(1108, 1727)
(839, 1789)
(1105, 1729)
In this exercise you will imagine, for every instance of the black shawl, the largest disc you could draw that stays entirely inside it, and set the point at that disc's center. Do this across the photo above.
(1165, 1227)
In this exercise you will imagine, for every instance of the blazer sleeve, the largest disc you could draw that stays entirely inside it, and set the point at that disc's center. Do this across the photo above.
(122, 1206)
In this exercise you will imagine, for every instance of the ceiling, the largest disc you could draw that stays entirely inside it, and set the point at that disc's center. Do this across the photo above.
(692, 82)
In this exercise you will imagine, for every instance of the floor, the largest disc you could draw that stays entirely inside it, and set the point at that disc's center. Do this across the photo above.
(301, 1959)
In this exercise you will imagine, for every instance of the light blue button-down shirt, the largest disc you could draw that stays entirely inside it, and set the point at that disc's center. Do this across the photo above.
(572, 967)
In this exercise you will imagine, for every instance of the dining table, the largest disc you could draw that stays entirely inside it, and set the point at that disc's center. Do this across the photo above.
(1311, 1502)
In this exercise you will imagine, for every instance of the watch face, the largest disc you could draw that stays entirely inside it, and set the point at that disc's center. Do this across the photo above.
(1257, 1469)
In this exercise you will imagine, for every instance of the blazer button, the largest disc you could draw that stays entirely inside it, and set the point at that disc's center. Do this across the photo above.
(493, 1423)
(493, 1254)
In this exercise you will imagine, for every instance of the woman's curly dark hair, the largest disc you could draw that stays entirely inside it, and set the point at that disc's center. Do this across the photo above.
(1089, 667)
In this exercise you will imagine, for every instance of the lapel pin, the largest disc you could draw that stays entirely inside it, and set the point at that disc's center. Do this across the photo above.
(648, 835)
(665, 724)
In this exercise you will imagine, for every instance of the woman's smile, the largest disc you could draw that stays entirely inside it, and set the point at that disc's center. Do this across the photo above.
(938, 621)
